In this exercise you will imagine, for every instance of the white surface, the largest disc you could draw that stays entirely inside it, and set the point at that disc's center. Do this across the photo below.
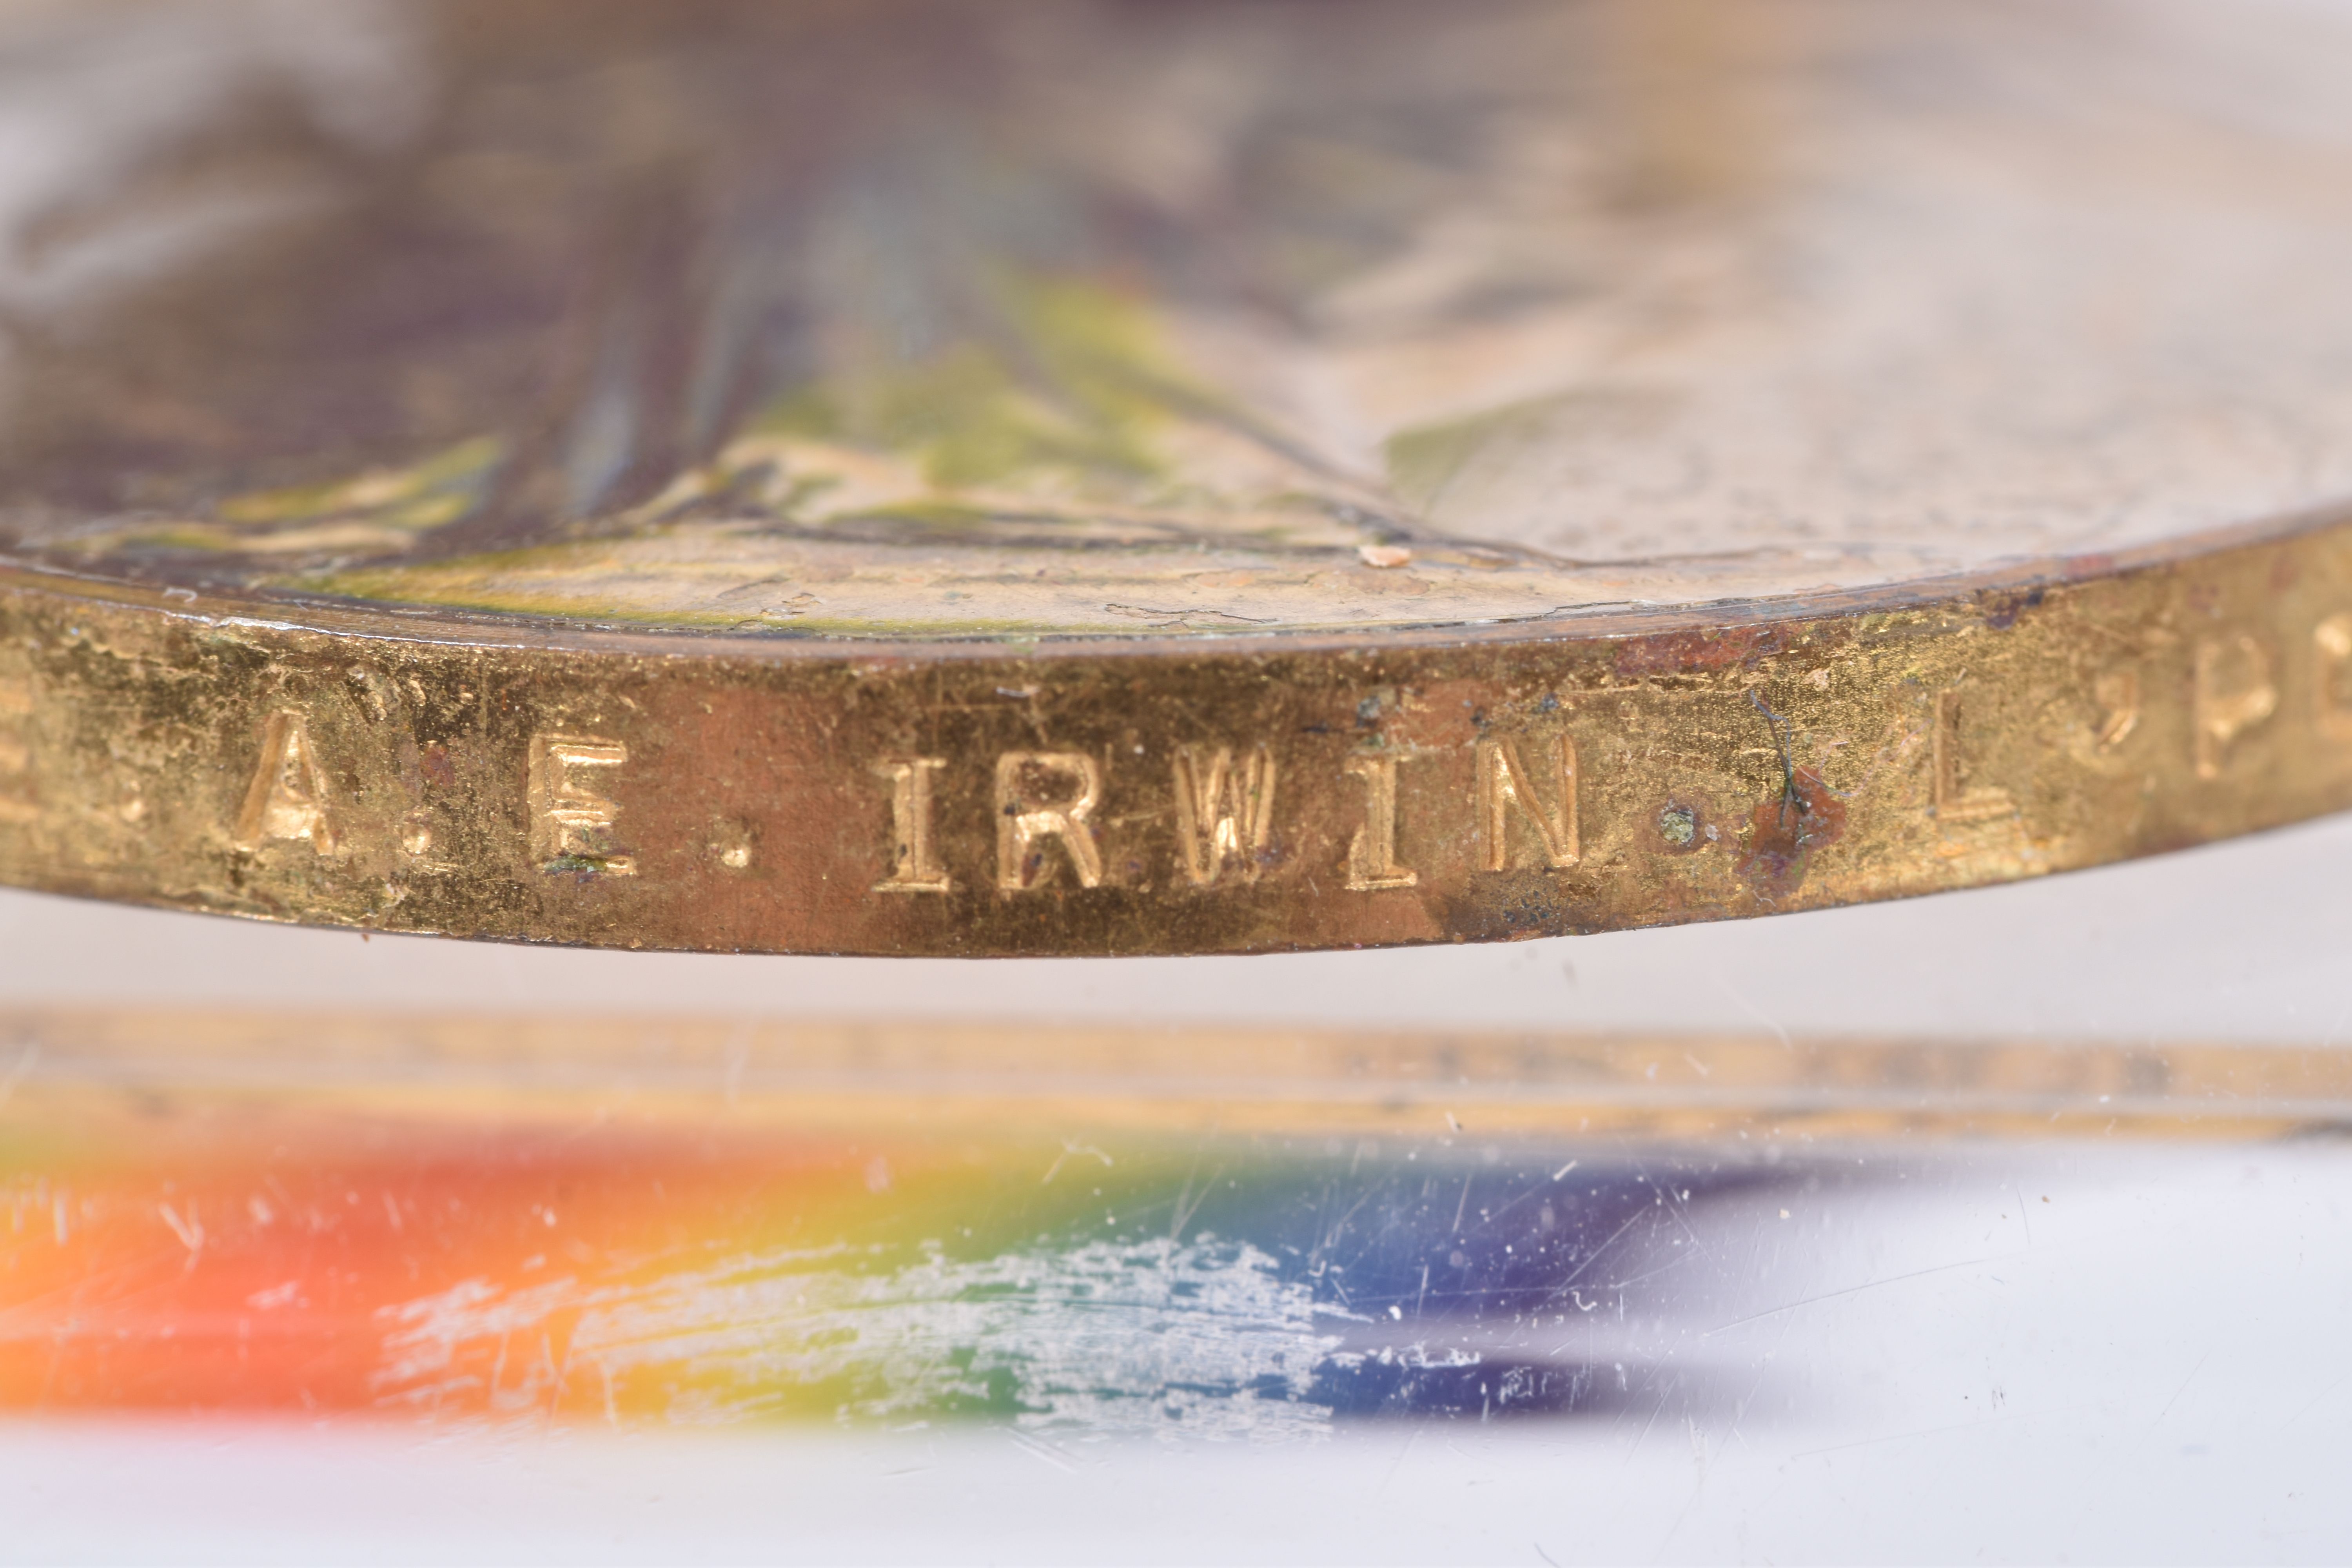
(2245, 941)
(2148, 1367)
(2156, 1372)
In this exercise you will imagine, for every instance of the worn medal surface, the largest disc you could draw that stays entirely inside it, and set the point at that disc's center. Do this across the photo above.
(1084, 479)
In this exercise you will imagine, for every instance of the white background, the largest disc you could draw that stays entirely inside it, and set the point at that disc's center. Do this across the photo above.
(2153, 1366)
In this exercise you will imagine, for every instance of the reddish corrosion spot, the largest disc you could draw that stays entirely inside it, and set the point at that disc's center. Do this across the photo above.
(2001, 610)
(1786, 828)
(1713, 649)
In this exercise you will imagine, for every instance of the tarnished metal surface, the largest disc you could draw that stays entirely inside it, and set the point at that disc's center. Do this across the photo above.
(425, 775)
(1099, 478)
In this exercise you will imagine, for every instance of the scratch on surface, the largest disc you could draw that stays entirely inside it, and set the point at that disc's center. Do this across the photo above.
(1673, 1202)
(2181, 1390)
(1929, 1431)
(1070, 1151)
(1052, 1453)
(1594, 1256)
(2312, 1402)
(1398, 1463)
(190, 1231)
(1850, 1290)
(1187, 1205)
(1754, 1011)
(1677, 1261)
(1104, 1336)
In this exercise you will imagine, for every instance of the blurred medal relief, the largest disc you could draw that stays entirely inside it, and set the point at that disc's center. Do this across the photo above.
(1116, 479)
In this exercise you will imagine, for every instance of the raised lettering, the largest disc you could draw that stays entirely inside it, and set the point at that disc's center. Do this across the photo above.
(416, 833)
(1956, 799)
(571, 824)
(288, 797)
(15, 755)
(2233, 693)
(1504, 782)
(1042, 795)
(2332, 642)
(915, 858)
(2118, 695)
(1223, 814)
(1371, 854)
